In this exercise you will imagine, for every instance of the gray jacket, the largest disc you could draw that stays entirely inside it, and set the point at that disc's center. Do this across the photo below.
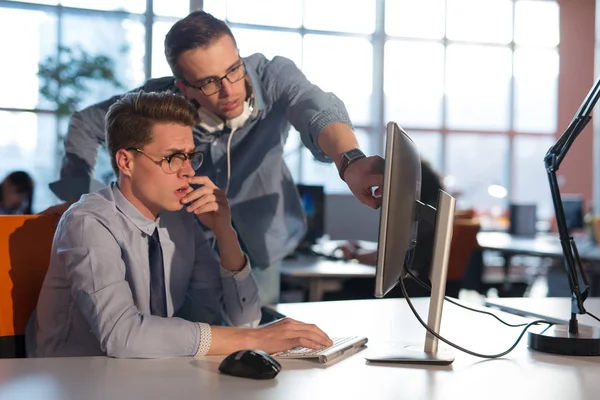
(265, 206)
(95, 299)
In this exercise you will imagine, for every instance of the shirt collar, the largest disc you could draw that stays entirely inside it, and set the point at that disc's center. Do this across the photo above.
(133, 214)
(256, 89)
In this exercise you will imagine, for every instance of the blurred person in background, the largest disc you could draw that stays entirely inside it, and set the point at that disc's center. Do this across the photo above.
(16, 194)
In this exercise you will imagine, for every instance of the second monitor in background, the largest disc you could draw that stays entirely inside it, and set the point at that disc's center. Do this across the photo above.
(523, 220)
(313, 203)
(573, 208)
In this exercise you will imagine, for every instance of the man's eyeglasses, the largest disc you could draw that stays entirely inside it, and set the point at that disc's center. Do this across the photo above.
(211, 86)
(176, 161)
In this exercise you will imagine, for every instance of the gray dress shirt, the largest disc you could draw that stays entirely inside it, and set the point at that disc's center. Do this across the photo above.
(265, 205)
(95, 299)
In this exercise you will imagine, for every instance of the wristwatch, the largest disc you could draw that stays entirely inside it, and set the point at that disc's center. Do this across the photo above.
(348, 158)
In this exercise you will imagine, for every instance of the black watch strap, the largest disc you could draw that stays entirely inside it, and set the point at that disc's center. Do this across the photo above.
(348, 158)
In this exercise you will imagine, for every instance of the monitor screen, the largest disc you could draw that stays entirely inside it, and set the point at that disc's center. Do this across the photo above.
(573, 208)
(397, 222)
(313, 203)
(523, 219)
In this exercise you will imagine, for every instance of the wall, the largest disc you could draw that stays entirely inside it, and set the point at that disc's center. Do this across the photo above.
(577, 43)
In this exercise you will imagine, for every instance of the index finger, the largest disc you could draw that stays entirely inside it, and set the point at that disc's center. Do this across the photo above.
(201, 180)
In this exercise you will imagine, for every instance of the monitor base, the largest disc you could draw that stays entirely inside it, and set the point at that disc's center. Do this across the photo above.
(413, 355)
(557, 339)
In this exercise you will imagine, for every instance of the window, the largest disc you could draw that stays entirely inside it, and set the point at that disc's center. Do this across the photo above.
(264, 12)
(285, 44)
(414, 83)
(134, 6)
(127, 36)
(478, 87)
(358, 18)
(30, 132)
(160, 67)
(415, 19)
(170, 8)
(39, 36)
(529, 174)
(474, 163)
(483, 75)
(476, 84)
(337, 64)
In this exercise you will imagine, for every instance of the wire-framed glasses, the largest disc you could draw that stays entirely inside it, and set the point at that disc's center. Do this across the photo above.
(175, 161)
(210, 86)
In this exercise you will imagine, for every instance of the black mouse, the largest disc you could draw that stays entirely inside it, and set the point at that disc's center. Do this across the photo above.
(255, 364)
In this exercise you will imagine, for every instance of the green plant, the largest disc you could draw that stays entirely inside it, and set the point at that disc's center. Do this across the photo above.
(65, 77)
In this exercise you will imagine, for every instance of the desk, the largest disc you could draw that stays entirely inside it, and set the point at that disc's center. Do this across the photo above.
(555, 309)
(541, 245)
(523, 374)
(322, 275)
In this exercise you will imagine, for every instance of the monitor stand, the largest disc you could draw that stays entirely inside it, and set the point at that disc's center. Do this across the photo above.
(430, 353)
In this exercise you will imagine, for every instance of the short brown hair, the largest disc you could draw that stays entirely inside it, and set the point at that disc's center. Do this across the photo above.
(198, 29)
(129, 121)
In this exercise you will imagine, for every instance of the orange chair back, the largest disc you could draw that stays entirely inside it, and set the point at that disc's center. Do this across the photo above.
(25, 245)
(464, 242)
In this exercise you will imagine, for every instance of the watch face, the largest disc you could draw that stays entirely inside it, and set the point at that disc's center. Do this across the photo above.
(353, 154)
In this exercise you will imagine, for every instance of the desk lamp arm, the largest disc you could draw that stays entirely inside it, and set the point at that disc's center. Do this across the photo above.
(552, 161)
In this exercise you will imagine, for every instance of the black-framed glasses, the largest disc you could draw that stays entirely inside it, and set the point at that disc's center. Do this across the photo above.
(176, 161)
(210, 86)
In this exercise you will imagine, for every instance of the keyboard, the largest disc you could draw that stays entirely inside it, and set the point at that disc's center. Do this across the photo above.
(340, 346)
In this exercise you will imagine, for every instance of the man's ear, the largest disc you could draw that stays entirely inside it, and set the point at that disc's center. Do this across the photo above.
(124, 160)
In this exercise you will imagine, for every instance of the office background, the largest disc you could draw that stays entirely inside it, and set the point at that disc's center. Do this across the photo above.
(484, 87)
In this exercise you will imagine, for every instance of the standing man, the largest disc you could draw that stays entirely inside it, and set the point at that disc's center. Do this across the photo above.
(246, 106)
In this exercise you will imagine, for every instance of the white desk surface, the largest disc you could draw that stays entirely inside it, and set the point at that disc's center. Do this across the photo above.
(523, 374)
(555, 309)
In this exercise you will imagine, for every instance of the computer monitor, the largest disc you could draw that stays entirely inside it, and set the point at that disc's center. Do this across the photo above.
(313, 203)
(401, 212)
(523, 219)
(573, 209)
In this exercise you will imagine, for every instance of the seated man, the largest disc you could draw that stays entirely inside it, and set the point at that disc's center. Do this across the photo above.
(128, 262)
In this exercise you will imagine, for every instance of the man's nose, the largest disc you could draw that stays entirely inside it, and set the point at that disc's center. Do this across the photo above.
(226, 88)
(187, 171)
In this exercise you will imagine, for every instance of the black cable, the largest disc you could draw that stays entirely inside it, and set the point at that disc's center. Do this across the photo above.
(592, 315)
(410, 258)
(432, 332)
(448, 299)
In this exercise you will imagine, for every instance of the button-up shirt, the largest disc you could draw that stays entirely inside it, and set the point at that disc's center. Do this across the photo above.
(265, 205)
(95, 299)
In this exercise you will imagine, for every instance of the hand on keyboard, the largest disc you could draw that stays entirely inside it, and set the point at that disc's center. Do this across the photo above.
(304, 351)
(340, 346)
(286, 334)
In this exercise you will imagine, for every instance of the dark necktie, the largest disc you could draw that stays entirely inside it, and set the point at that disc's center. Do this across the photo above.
(158, 302)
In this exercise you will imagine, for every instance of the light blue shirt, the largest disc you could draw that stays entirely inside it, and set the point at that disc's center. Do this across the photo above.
(95, 299)
(265, 205)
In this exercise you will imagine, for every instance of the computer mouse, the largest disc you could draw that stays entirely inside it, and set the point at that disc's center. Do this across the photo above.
(254, 364)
